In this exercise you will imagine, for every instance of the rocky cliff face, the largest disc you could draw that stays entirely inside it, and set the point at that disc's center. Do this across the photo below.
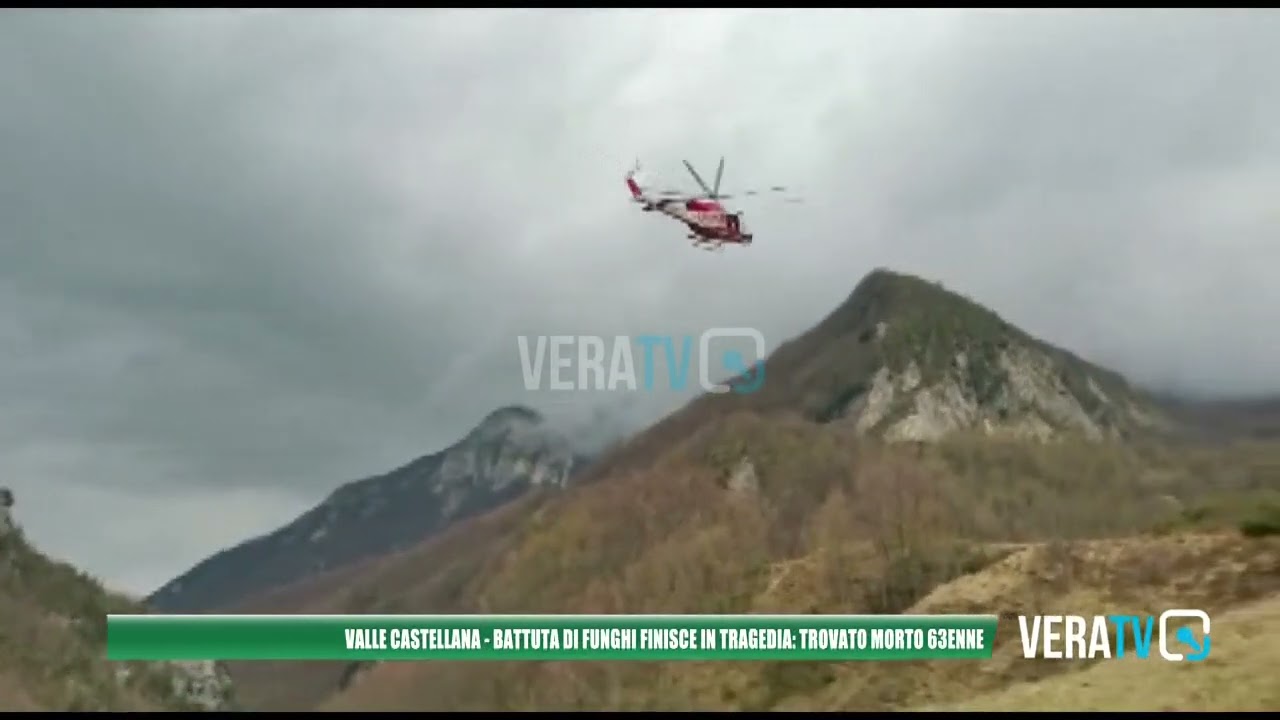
(509, 452)
(1031, 401)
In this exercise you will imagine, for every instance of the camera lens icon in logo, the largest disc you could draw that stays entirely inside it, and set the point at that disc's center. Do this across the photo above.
(1184, 635)
(732, 362)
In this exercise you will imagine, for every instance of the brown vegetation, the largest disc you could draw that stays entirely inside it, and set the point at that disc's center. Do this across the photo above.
(837, 524)
(831, 522)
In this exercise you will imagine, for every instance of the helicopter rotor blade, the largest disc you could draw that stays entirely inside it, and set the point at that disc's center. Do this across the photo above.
(751, 193)
(699, 180)
(715, 189)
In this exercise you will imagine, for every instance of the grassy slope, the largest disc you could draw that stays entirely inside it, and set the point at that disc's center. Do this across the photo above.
(53, 640)
(1217, 572)
(837, 525)
(1234, 679)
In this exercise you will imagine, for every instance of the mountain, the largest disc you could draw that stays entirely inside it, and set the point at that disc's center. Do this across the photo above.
(53, 642)
(904, 359)
(511, 451)
(790, 500)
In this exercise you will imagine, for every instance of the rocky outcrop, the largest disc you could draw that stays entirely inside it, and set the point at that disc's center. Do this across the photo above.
(743, 479)
(202, 684)
(190, 685)
(511, 451)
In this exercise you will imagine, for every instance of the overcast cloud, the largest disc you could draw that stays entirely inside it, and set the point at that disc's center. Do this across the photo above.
(248, 256)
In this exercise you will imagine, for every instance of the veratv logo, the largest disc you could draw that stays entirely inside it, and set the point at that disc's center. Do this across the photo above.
(1041, 636)
(590, 353)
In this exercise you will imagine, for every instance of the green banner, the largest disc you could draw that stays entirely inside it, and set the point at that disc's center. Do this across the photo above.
(550, 637)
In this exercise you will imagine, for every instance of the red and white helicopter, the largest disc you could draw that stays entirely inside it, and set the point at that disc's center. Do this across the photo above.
(710, 225)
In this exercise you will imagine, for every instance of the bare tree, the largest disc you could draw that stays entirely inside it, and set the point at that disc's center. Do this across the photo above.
(903, 511)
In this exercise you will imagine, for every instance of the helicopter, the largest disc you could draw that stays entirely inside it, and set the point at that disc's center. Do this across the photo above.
(711, 226)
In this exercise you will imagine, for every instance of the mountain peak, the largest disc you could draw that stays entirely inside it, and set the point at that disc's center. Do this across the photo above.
(512, 413)
(508, 419)
(907, 358)
(947, 362)
(884, 294)
(511, 451)
(518, 426)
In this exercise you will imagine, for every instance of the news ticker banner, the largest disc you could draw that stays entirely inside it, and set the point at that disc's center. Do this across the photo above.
(550, 637)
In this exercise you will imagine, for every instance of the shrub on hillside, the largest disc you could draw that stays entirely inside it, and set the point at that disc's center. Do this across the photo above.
(1263, 522)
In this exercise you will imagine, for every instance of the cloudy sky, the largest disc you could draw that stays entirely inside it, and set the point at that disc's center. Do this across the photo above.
(247, 256)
